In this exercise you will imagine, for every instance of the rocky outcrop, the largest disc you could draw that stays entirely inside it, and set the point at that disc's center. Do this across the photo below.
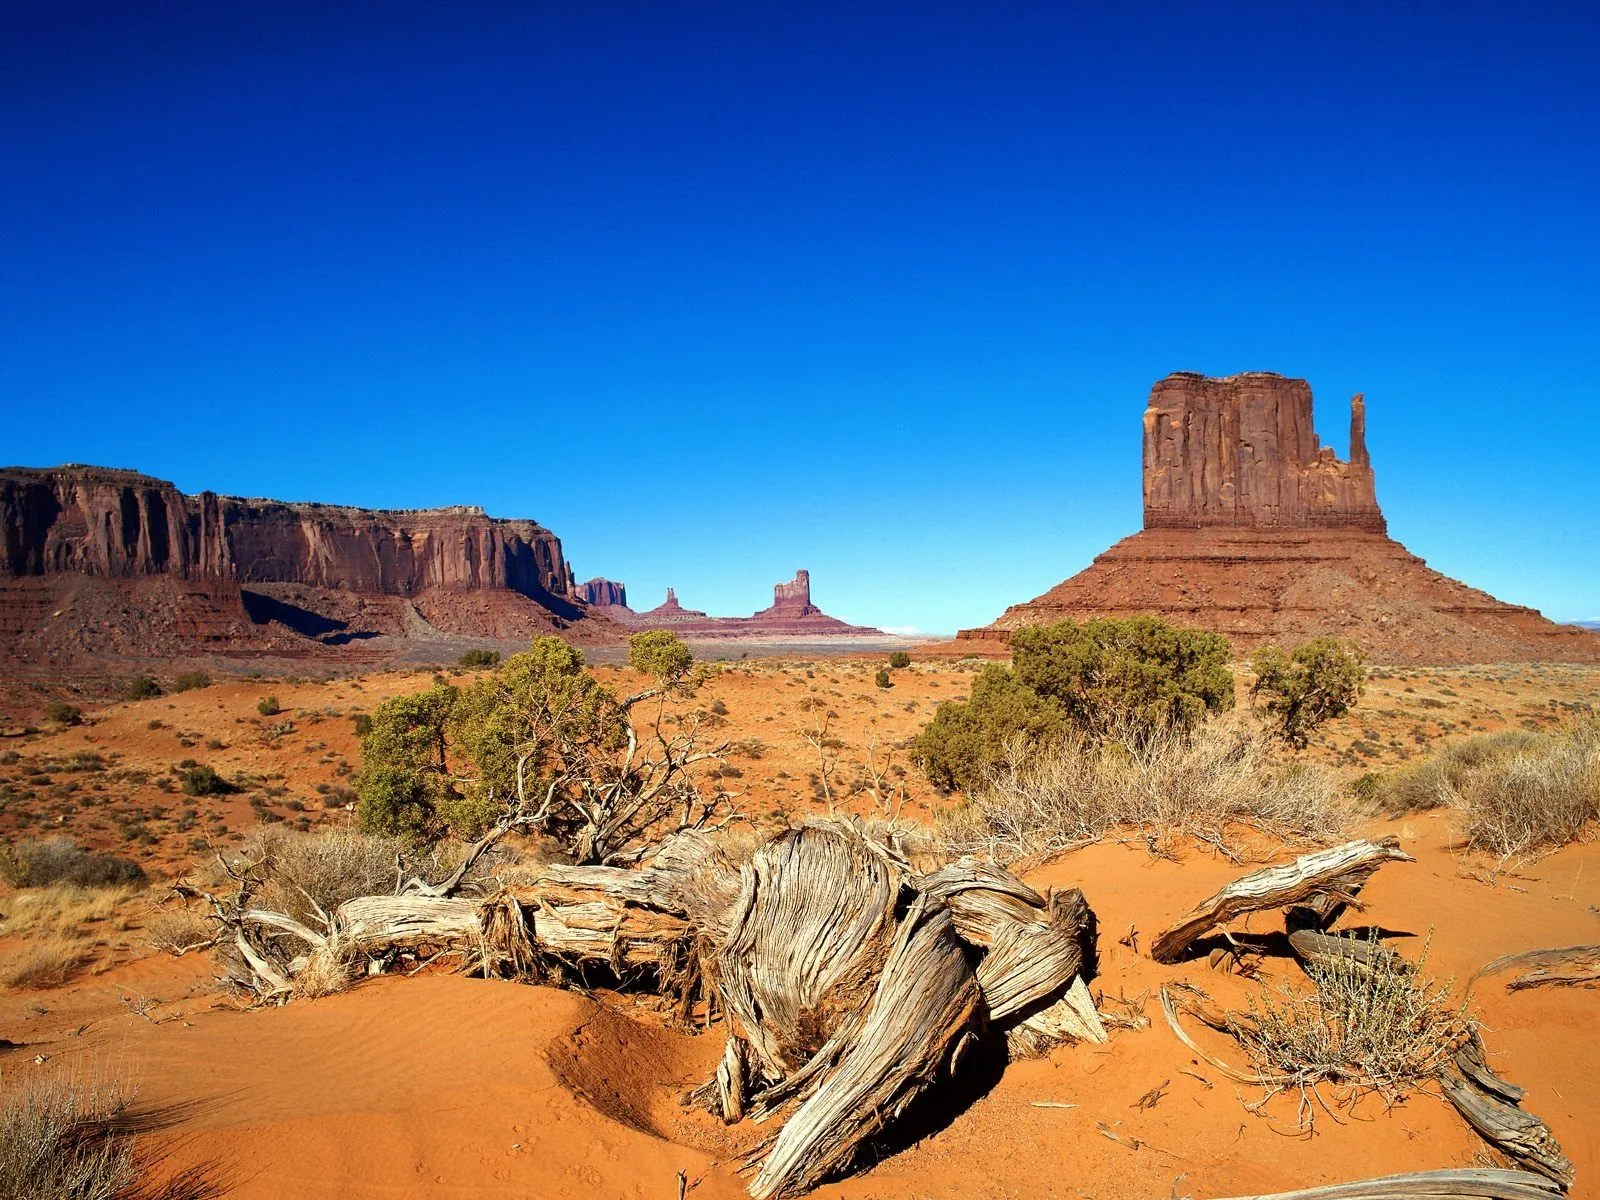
(603, 593)
(100, 566)
(120, 524)
(1242, 451)
(1255, 531)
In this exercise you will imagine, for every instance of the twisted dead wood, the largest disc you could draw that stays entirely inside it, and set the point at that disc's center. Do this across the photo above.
(1340, 871)
(1453, 1184)
(1562, 966)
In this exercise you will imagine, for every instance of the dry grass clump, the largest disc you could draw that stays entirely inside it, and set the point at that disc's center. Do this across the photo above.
(61, 1140)
(1378, 1025)
(1045, 800)
(1436, 782)
(179, 930)
(302, 872)
(64, 925)
(1538, 797)
(1519, 792)
(45, 964)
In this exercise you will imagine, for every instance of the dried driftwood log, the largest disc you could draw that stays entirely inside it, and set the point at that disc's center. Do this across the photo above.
(1562, 966)
(1455, 1184)
(1338, 872)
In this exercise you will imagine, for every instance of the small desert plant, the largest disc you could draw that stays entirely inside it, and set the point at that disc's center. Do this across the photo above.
(203, 780)
(188, 681)
(1371, 1022)
(65, 1140)
(142, 687)
(268, 706)
(479, 658)
(61, 860)
(899, 659)
(1043, 799)
(1301, 691)
(179, 930)
(62, 713)
(882, 678)
(361, 723)
(44, 964)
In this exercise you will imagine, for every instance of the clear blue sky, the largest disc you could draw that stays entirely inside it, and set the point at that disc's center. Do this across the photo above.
(720, 290)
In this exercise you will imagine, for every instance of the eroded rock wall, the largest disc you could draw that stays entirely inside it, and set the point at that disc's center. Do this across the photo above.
(1242, 451)
(120, 524)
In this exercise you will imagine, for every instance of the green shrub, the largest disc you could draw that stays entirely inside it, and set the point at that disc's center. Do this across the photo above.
(202, 780)
(1301, 691)
(966, 737)
(479, 658)
(403, 778)
(268, 706)
(361, 723)
(899, 659)
(63, 713)
(882, 678)
(190, 680)
(1135, 679)
(142, 687)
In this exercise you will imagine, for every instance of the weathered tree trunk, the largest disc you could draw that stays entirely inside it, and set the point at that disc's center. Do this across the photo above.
(1459, 1183)
(1566, 966)
(1338, 872)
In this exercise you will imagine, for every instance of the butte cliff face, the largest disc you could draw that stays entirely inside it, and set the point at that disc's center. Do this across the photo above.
(120, 524)
(141, 565)
(1254, 530)
(603, 593)
(1242, 452)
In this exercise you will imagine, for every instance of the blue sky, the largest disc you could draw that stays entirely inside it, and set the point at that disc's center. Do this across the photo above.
(716, 291)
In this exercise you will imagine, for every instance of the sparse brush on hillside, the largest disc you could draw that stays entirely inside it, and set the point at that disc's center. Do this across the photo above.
(62, 1140)
(61, 860)
(1044, 799)
(1536, 798)
(1519, 793)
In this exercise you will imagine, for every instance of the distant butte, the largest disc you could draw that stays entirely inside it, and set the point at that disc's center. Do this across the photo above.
(1254, 530)
(791, 615)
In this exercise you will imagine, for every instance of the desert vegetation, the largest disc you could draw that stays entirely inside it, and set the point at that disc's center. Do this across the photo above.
(1518, 793)
(64, 1139)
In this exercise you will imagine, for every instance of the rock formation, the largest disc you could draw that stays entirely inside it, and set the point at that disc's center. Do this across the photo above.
(1242, 452)
(94, 521)
(603, 593)
(106, 562)
(1255, 531)
(791, 616)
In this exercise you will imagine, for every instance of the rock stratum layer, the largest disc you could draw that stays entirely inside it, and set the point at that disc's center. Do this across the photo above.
(99, 561)
(1254, 530)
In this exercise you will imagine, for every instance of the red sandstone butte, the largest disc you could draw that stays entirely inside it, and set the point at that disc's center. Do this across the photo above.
(98, 561)
(1254, 530)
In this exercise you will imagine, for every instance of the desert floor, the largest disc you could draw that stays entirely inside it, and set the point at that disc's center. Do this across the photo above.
(444, 1086)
